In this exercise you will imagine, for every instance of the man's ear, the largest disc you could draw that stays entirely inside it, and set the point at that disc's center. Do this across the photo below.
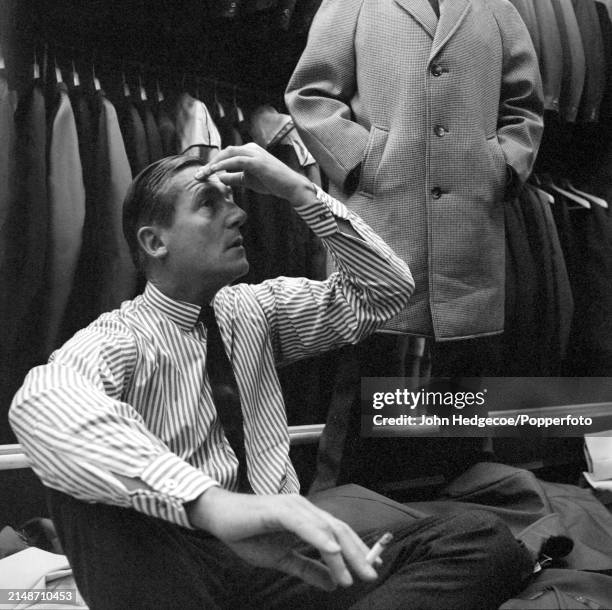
(151, 242)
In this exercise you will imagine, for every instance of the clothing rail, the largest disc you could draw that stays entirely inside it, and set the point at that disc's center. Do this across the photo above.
(12, 457)
(48, 51)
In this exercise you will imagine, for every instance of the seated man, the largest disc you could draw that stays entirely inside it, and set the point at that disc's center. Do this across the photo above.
(168, 468)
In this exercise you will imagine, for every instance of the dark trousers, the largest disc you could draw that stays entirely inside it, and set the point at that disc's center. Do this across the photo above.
(124, 559)
(345, 456)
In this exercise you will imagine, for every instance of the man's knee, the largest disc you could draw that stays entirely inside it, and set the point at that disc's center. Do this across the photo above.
(124, 559)
(490, 544)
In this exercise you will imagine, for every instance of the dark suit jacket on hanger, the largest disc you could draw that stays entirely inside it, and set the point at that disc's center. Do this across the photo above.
(167, 130)
(539, 243)
(154, 143)
(588, 21)
(82, 305)
(551, 54)
(608, 5)
(563, 297)
(574, 63)
(8, 378)
(7, 153)
(605, 22)
(591, 339)
(521, 349)
(117, 281)
(25, 232)
(134, 135)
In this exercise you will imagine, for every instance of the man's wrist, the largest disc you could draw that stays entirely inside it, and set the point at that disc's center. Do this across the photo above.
(304, 193)
(200, 510)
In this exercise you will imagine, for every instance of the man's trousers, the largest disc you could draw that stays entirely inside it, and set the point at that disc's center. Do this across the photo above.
(125, 559)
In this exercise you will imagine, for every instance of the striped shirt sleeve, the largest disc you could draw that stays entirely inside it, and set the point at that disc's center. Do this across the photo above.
(84, 441)
(371, 286)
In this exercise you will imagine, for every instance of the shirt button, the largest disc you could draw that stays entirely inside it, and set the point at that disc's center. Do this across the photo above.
(322, 216)
(439, 130)
(170, 485)
(436, 192)
(437, 70)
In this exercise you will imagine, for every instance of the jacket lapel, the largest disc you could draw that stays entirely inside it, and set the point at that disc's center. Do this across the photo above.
(452, 13)
(422, 12)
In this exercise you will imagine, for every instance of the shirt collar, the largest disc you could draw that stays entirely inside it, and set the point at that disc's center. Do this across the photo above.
(183, 314)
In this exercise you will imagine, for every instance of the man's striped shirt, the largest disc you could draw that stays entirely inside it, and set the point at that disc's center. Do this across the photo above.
(128, 397)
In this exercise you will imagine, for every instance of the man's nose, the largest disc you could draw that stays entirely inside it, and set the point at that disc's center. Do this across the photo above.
(236, 216)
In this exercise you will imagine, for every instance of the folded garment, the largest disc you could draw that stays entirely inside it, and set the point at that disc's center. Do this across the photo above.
(11, 542)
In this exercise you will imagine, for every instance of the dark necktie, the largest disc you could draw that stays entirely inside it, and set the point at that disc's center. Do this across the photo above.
(225, 393)
(435, 6)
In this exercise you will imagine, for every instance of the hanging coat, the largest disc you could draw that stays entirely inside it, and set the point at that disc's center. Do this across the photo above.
(574, 63)
(551, 58)
(66, 215)
(196, 132)
(24, 233)
(134, 135)
(117, 281)
(595, 81)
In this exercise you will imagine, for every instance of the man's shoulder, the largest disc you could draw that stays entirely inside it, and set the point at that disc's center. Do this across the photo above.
(238, 300)
(117, 323)
(119, 318)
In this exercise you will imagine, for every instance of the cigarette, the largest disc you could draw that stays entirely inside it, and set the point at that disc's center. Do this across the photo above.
(379, 547)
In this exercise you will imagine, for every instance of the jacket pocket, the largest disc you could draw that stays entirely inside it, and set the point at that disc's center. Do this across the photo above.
(372, 158)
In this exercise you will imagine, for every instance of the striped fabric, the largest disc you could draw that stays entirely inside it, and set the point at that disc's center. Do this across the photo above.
(126, 400)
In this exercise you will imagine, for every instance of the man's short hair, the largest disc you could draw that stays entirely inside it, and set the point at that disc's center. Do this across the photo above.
(150, 200)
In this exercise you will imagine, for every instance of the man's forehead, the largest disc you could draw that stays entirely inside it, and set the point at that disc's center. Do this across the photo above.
(186, 179)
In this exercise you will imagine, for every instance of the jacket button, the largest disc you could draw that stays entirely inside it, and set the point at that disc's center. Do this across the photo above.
(437, 70)
(439, 131)
(436, 192)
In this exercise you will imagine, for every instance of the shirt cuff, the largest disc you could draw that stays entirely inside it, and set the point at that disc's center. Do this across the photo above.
(320, 214)
(173, 483)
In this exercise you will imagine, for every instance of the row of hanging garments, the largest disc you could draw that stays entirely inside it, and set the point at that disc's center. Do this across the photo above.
(559, 230)
(281, 14)
(68, 153)
(558, 283)
(571, 39)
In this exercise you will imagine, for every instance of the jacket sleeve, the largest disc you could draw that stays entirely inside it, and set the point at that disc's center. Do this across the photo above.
(521, 106)
(321, 87)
